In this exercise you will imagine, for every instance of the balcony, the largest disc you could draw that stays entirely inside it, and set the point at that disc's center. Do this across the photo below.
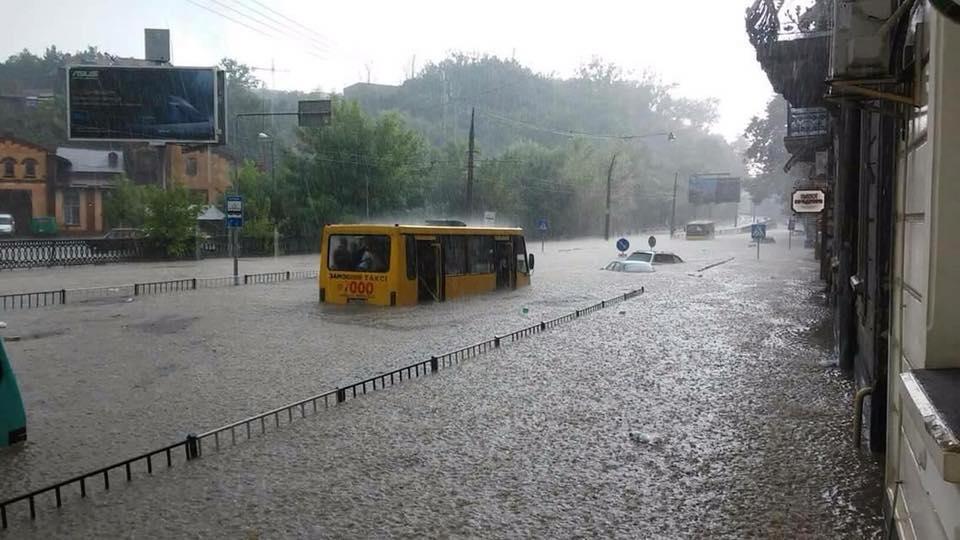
(794, 50)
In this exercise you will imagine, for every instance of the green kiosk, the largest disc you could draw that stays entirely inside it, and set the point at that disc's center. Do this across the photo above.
(13, 420)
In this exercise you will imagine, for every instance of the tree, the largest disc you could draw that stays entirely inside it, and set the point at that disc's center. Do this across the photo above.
(258, 194)
(124, 205)
(355, 168)
(170, 219)
(766, 156)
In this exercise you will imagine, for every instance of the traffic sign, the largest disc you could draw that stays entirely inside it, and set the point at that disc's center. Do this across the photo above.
(808, 201)
(623, 245)
(234, 211)
(542, 224)
(758, 231)
(652, 241)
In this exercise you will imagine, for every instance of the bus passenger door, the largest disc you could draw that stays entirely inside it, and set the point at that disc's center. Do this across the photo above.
(505, 265)
(428, 271)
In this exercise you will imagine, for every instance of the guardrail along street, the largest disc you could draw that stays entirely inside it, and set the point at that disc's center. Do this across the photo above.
(32, 253)
(38, 299)
(192, 447)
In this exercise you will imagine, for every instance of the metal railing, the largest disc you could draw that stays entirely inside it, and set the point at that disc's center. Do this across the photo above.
(27, 253)
(274, 419)
(31, 300)
(33, 253)
(38, 299)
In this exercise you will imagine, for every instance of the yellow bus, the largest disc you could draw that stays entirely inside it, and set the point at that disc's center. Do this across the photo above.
(402, 265)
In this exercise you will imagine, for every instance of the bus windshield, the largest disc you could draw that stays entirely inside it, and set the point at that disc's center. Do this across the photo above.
(359, 253)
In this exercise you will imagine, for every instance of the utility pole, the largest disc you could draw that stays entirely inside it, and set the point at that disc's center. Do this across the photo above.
(606, 225)
(673, 214)
(470, 150)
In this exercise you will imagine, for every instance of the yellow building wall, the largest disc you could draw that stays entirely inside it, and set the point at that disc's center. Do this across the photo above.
(214, 171)
(36, 185)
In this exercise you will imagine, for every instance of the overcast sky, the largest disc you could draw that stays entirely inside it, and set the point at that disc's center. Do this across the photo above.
(700, 45)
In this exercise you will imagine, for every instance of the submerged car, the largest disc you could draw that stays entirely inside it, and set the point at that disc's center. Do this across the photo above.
(7, 225)
(637, 267)
(654, 257)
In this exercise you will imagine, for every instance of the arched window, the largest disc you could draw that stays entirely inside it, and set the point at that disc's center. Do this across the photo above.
(31, 168)
(8, 164)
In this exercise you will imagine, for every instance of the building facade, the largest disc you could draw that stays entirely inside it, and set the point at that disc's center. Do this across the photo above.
(206, 171)
(27, 172)
(886, 76)
(80, 188)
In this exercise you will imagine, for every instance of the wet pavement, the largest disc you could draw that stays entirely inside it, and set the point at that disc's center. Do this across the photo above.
(710, 406)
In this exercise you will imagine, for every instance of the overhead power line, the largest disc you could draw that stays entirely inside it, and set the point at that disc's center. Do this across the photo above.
(319, 36)
(251, 23)
(322, 43)
(573, 133)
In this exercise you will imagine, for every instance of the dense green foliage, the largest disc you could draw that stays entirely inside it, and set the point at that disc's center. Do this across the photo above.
(544, 146)
(170, 219)
(765, 155)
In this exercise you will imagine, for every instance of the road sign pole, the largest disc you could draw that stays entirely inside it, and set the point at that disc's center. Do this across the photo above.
(789, 239)
(236, 247)
(758, 250)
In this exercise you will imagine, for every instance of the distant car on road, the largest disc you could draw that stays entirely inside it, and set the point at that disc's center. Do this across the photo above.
(654, 257)
(633, 267)
(7, 225)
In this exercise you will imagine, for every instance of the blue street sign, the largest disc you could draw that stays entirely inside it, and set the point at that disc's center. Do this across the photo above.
(758, 231)
(623, 244)
(234, 211)
(542, 224)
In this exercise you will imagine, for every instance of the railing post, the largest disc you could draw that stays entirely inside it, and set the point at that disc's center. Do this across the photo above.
(578, 313)
(194, 283)
(245, 276)
(543, 326)
(63, 296)
(434, 364)
(136, 289)
(496, 341)
(288, 275)
(193, 451)
(341, 395)
(603, 304)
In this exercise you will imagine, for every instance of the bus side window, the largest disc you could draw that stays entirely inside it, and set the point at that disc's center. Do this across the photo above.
(520, 248)
(411, 248)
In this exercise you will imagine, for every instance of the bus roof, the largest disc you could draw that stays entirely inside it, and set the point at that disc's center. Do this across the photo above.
(420, 229)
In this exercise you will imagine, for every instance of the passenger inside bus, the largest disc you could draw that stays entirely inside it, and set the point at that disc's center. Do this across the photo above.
(360, 253)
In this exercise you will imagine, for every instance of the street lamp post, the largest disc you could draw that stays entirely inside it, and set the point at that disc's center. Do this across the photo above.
(273, 178)
(673, 214)
(606, 224)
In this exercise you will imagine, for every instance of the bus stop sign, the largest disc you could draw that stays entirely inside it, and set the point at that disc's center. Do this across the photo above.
(234, 211)
(542, 224)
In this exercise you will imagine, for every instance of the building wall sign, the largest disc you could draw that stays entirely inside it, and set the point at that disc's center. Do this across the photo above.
(808, 201)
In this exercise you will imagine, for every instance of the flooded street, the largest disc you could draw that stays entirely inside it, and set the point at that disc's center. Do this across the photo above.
(710, 406)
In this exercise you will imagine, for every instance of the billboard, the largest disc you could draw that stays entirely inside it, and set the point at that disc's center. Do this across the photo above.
(152, 104)
(713, 190)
